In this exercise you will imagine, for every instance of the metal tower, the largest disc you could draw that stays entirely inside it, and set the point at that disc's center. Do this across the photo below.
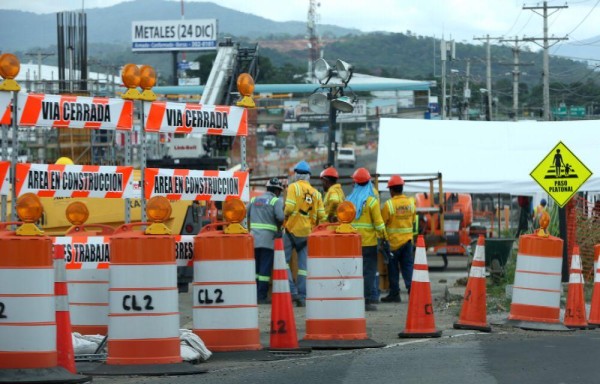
(314, 44)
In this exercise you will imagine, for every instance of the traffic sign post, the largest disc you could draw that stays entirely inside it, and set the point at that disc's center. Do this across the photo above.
(561, 174)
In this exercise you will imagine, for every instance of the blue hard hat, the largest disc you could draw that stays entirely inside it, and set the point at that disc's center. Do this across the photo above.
(302, 167)
(543, 202)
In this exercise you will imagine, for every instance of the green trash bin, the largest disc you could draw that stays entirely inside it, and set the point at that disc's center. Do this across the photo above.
(499, 248)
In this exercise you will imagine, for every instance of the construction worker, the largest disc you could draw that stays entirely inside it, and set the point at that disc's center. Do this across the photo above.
(399, 215)
(265, 215)
(333, 192)
(369, 224)
(303, 211)
(538, 212)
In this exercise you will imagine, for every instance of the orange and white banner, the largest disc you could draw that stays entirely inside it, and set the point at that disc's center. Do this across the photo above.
(75, 112)
(4, 177)
(5, 99)
(184, 250)
(184, 184)
(54, 180)
(164, 116)
(85, 252)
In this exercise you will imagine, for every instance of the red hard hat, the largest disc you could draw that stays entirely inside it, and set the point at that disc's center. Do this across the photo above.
(329, 172)
(361, 175)
(395, 180)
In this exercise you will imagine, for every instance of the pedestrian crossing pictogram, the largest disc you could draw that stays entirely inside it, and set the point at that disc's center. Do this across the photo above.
(561, 174)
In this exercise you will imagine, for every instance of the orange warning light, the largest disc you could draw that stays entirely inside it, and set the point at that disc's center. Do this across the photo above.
(77, 213)
(29, 208)
(130, 74)
(148, 77)
(245, 84)
(234, 211)
(158, 209)
(346, 212)
(9, 66)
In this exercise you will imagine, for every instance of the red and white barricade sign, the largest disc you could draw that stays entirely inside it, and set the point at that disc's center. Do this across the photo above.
(185, 184)
(85, 252)
(184, 250)
(54, 180)
(75, 112)
(5, 98)
(4, 177)
(163, 116)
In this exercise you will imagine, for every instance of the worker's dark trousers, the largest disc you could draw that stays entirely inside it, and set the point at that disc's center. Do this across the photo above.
(264, 267)
(402, 260)
(369, 271)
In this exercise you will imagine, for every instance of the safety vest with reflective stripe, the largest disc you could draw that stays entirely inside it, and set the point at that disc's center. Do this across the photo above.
(399, 215)
(370, 224)
(303, 208)
(333, 198)
(265, 214)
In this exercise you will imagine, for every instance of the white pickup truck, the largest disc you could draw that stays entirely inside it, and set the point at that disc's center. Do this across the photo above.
(346, 156)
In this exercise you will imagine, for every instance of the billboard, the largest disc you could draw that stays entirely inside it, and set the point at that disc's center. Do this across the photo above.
(173, 35)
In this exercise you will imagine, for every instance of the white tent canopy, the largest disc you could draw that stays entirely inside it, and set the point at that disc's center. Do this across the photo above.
(483, 156)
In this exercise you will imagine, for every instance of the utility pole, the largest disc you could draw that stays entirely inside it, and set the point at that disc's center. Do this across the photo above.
(467, 91)
(40, 56)
(447, 50)
(488, 73)
(546, 45)
(516, 74)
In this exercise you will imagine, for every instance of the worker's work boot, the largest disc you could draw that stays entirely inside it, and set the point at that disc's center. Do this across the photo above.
(369, 306)
(391, 298)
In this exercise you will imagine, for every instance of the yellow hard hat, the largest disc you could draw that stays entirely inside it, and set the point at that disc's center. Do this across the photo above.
(64, 161)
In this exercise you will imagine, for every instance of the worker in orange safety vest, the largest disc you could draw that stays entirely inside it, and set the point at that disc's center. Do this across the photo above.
(334, 194)
(399, 215)
(369, 224)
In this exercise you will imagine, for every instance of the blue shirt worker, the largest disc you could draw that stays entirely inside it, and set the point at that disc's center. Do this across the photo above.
(265, 214)
(303, 211)
(399, 215)
(369, 224)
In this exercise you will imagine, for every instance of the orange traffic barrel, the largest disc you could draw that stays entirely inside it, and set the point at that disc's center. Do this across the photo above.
(143, 319)
(87, 260)
(335, 303)
(595, 304)
(225, 311)
(537, 288)
(28, 333)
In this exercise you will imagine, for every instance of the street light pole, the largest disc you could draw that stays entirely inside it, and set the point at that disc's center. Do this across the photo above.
(331, 148)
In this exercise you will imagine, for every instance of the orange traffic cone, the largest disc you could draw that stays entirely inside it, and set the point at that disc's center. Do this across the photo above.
(64, 341)
(473, 314)
(595, 305)
(283, 323)
(420, 321)
(575, 315)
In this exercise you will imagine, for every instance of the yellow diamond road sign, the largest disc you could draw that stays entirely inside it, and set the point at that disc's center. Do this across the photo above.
(561, 174)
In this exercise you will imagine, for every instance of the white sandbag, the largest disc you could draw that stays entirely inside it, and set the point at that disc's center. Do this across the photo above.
(188, 353)
(82, 346)
(188, 338)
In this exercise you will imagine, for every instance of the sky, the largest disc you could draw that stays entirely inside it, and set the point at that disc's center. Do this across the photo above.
(460, 20)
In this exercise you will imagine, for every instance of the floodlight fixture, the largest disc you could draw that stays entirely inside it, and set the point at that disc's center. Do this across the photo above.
(344, 70)
(318, 103)
(343, 104)
(322, 71)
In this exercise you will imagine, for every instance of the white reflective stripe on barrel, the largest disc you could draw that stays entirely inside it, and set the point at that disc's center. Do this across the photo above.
(335, 309)
(538, 264)
(536, 297)
(280, 286)
(88, 293)
(537, 281)
(420, 275)
(29, 281)
(143, 276)
(218, 271)
(477, 272)
(155, 326)
(225, 318)
(150, 302)
(224, 294)
(28, 309)
(334, 288)
(39, 338)
(576, 278)
(335, 266)
(85, 275)
(89, 314)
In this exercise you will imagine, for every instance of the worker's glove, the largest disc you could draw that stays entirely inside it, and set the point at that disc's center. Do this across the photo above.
(384, 248)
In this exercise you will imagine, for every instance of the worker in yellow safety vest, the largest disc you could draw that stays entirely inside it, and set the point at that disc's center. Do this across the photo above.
(334, 194)
(369, 224)
(303, 211)
(399, 215)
